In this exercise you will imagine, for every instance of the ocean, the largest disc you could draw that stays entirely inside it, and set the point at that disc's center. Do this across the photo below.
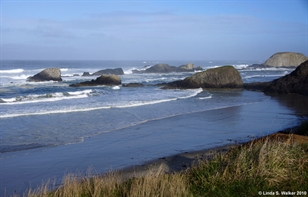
(43, 114)
(49, 129)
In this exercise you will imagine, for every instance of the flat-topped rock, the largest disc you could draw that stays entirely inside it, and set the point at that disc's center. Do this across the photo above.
(285, 59)
(165, 68)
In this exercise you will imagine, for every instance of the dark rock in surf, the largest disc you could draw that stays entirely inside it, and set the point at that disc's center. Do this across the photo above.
(222, 77)
(109, 80)
(295, 82)
(133, 85)
(86, 74)
(48, 74)
(256, 86)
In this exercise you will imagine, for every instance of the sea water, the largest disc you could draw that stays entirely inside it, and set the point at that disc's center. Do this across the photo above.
(38, 114)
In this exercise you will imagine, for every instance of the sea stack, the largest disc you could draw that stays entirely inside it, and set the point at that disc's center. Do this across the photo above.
(48, 74)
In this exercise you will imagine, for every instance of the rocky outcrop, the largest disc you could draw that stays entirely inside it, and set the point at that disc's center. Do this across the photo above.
(108, 71)
(285, 59)
(165, 68)
(295, 82)
(222, 77)
(101, 80)
(48, 74)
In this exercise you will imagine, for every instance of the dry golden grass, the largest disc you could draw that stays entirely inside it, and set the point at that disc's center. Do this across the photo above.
(156, 184)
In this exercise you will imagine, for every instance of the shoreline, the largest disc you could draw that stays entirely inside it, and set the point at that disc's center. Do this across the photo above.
(184, 161)
(172, 141)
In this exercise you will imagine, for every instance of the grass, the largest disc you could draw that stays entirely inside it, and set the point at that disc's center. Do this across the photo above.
(262, 165)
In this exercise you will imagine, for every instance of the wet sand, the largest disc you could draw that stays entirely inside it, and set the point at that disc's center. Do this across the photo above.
(181, 136)
(184, 161)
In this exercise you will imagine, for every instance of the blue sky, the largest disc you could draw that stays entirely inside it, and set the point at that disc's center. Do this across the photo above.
(152, 30)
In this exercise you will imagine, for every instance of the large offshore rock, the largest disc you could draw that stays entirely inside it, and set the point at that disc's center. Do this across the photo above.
(221, 77)
(48, 74)
(285, 59)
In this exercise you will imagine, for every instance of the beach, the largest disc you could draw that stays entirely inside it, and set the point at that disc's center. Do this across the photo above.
(136, 145)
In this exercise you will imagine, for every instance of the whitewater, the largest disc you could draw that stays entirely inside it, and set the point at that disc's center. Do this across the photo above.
(38, 114)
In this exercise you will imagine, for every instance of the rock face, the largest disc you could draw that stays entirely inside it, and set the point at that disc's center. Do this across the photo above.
(222, 77)
(101, 80)
(285, 59)
(165, 68)
(295, 82)
(48, 74)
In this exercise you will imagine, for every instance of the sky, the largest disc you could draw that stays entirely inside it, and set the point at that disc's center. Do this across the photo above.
(152, 30)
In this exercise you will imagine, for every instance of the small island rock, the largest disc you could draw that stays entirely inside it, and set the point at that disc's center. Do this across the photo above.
(285, 59)
(48, 74)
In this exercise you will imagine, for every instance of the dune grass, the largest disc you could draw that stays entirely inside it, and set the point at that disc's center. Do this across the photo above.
(266, 166)
(262, 165)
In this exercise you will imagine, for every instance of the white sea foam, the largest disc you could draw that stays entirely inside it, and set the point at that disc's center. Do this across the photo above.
(194, 93)
(70, 110)
(88, 91)
(261, 76)
(203, 98)
(240, 66)
(129, 71)
(19, 70)
(20, 77)
(36, 98)
(141, 103)
(64, 69)
(116, 87)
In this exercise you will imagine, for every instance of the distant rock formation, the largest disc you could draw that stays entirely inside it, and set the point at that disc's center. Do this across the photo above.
(165, 68)
(108, 71)
(101, 80)
(285, 59)
(48, 74)
(86, 74)
(295, 82)
(221, 77)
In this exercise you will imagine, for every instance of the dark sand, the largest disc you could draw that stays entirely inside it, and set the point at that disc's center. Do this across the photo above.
(181, 136)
